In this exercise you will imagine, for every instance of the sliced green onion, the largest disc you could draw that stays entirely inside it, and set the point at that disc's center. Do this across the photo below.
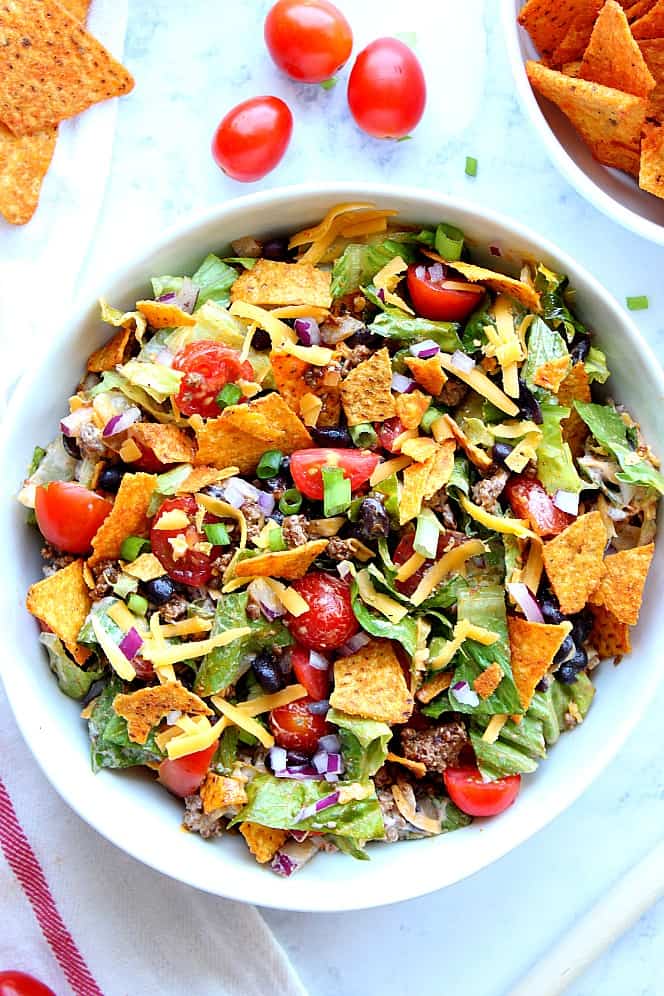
(336, 491)
(449, 241)
(471, 166)
(638, 303)
(290, 502)
(430, 416)
(229, 395)
(132, 546)
(125, 585)
(217, 533)
(137, 604)
(426, 534)
(275, 539)
(329, 84)
(363, 435)
(247, 738)
(269, 463)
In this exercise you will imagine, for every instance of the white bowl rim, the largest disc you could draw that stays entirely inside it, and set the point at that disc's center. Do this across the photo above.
(282, 897)
(576, 176)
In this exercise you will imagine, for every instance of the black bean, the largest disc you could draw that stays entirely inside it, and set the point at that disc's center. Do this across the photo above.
(580, 347)
(160, 590)
(278, 483)
(95, 689)
(363, 337)
(372, 520)
(277, 250)
(550, 611)
(261, 340)
(500, 452)
(582, 623)
(71, 446)
(268, 671)
(111, 477)
(528, 404)
(543, 684)
(332, 435)
(579, 660)
(566, 648)
(566, 673)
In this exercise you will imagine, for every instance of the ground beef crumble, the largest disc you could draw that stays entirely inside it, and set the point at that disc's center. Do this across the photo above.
(453, 393)
(174, 609)
(487, 491)
(206, 824)
(353, 358)
(54, 560)
(220, 563)
(439, 503)
(340, 549)
(90, 441)
(294, 530)
(437, 748)
(106, 574)
(254, 518)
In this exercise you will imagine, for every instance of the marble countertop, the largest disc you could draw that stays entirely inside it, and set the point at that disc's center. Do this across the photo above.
(191, 63)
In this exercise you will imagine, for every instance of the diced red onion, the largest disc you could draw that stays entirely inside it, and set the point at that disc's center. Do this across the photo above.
(187, 296)
(244, 488)
(233, 496)
(71, 424)
(319, 761)
(299, 835)
(462, 361)
(526, 601)
(495, 250)
(354, 644)
(317, 661)
(299, 773)
(402, 384)
(293, 855)
(308, 331)
(344, 568)
(333, 331)
(318, 708)
(464, 694)
(381, 295)
(278, 758)
(131, 643)
(330, 742)
(119, 423)
(316, 807)
(327, 763)
(330, 777)
(270, 606)
(166, 298)
(436, 272)
(282, 864)
(424, 350)
(265, 502)
(567, 501)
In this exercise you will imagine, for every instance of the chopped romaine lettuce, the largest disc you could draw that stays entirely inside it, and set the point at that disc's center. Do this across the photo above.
(553, 294)
(166, 285)
(110, 743)
(359, 263)
(363, 744)
(460, 477)
(595, 364)
(611, 433)
(394, 324)
(405, 632)
(73, 680)
(544, 345)
(555, 464)
(157, 380)
(226, 753)
(55, 464)
(389, 488)
(214, 279)
(100, 610)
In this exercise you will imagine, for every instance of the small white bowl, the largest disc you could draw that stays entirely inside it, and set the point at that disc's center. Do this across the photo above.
(128, 807)
(615, 193)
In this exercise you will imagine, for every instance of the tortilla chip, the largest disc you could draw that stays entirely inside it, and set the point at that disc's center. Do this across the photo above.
(242, 433)
(547, 21)
(429, 374)
(218, 792)
(441, 467)
(366, 393)
(162, 315)
(263, 842)
(420, 448)
(487, 682)
(288, 564)
(371, 684)
(168, 443)
(289, 379)
(415, 481)
(77, 8)
(498, 282)
(577, 36)
(550, 375)
(651, 25)
(651, 171)
(201, 477)
(128, 517)
(575, 387)
(146, 568)
(572, 68)
(146, 707)
(272, 285)
(475, 454)
(574, 561)
(111, 353)
(411, 407)
(613, 58)
(51, 67)
(608, 636)
(607, 119)
(533, 647)
(621, 589)
(634, 11)
(62, 602)
(24, 161)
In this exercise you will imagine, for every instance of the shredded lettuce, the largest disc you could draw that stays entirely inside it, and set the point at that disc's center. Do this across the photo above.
(553, 301)
(395, 324)
(226, 753)
(51, 464)
(213, 278)
(473, 336)
(595, 364)
(363, 744)
(611, 433)
(359, 263)
(100, 611)
(110, 743)
(73, 680)
(157, 380)
(544, 345)
(404, 632)
(555, 464)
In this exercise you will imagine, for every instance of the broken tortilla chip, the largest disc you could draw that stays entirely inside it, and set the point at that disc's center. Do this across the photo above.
(289, 371)
(24, 162)
(270, 284)
(218, 792)
(415, 480)
(263, 842)
(613, 58)
(168, 443)
(201, 477)
(608, 635)
(146, 568)
(411, 407)
(77, 8)
(574, 561)
(634, 11)
(146, 707)
(62, 602)
(51, 67)
(650, 25)
(111, 354)
(429, 374)
(621, 589)
(532, 648)
(487, 682)
(290, 564)
(575, 387)
(441, 467)
(162, 315)
(651, 169)
(475, 454)
(547, 21)
(128, 517)
(371, 684)
(576, 38)
(551, 374)
(498, 282)
(366, 393)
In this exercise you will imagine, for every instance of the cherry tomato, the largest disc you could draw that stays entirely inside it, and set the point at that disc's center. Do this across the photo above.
(148, 461)
(528, 500)
(477, 798)
(207, 366)
(330, 621)
(386, 89)
(405, 549)
(308, 39)
(295, 728)
(69, 515)
(252, 138)
(439, 298)
(184, 775)
(21, 984)
(305, 468)
(316, 681)
(389, 431)
(194, 567)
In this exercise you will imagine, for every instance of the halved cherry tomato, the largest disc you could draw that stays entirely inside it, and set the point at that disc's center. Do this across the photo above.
(405, 549)
(389, 431)
(305, 468)
(208, 366)
(21, 984)
(148, 461)
(252, 138)
(528, 500)
(442, 299)
(295, 728)
(315, 680)
(308, 39)
(330, 621)
(184, 775)
(386, 89)
(476, 797)
(195, 566)
(68, 515)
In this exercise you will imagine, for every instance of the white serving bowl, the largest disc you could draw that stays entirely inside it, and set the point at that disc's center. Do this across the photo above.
(615, 193)
(128, 807)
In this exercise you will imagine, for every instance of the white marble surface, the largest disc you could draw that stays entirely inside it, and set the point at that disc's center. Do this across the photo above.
(192, 62)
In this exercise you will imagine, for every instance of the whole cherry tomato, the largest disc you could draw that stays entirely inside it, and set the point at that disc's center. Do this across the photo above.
(528, 500)
(194, 566)
(252, 138)
(330, 621)
(309, 40)
(21, 984)
(185, 775)
(315, 679)
(208, 366)
(386, 89)
(441, 299)
(294, 727)
(306, 466)
(68, 515)
(389, 431)
(476, 797)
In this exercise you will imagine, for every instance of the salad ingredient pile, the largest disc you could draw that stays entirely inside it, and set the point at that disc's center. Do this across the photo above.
(335, 533)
